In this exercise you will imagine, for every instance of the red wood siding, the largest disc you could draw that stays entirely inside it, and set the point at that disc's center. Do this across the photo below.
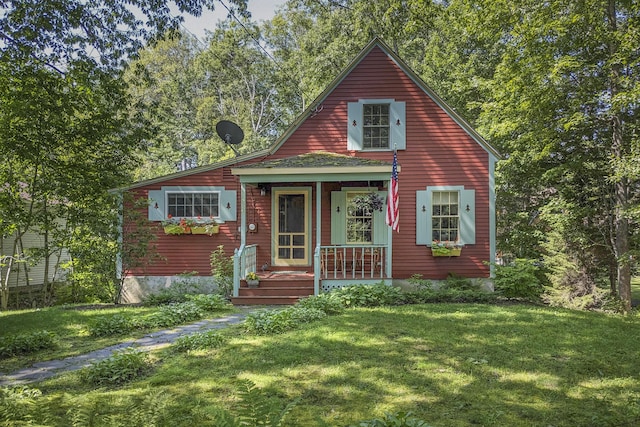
(439, 152)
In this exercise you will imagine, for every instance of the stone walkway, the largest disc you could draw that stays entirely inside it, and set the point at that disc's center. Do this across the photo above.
(152, 341)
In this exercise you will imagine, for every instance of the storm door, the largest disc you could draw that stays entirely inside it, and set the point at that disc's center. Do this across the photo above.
(291, 227)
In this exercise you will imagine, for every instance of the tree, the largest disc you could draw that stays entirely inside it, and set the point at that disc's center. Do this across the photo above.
(565, 105)
(66, 133)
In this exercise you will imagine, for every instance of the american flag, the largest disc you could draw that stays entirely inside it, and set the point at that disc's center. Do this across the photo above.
(392, 198)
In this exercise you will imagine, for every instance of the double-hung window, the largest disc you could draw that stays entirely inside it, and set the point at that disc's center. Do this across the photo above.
(193, 205)
(446, 214)
(359, 220)
(445, 217)
(375, 126)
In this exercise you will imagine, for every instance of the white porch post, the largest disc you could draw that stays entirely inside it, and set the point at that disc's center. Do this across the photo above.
(316, 269)
(243, 214)
(389, 245)
(238, 254)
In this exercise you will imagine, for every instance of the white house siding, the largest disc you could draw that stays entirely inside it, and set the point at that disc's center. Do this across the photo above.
(36, 272)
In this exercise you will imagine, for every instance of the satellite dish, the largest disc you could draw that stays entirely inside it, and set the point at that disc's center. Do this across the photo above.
(229, 132)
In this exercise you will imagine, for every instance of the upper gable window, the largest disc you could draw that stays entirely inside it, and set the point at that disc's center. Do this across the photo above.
(376, 124)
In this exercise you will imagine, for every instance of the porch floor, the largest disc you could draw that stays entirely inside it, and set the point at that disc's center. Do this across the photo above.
(276, 288)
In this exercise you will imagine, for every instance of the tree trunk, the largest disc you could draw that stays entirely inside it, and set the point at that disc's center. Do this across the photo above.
(621, 222)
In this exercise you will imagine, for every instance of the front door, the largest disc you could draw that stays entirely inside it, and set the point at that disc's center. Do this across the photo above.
(291, 228)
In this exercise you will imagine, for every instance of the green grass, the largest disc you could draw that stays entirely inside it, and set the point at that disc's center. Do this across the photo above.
(70, 328)
(635, 289)
(450, 364)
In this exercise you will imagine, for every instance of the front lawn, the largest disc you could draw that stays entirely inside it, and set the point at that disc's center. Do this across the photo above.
(450, 364)
(70, 326)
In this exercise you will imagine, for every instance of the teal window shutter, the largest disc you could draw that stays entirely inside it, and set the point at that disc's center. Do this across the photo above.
(380, 228)
(423, 217)
(468, 216)
(157, 210)
(354, 126)
(398, 125)
(338, 217)
(228, 198)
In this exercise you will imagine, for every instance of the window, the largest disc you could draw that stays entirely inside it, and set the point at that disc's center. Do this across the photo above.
(193, 205)
(446, 213)
(359, 220)
(445, 218)
(376, 126)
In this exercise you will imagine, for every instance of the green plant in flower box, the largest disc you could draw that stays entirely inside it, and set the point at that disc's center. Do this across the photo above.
(446, 248)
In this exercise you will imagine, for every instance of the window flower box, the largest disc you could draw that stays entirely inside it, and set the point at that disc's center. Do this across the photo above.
(445, 249)
(174, 229)
(209, 229)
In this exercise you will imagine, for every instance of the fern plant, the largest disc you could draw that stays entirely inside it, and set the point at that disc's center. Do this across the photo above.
(253, 409)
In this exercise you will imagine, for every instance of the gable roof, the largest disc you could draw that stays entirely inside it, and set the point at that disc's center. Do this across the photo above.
(376, 42)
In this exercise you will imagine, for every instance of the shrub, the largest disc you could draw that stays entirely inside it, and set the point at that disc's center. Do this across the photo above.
(173, 314)
(278, 321)
(210, 303)
(369, 295)
(118, 369)
(222, 271)
(398, 419)
(200, 341)
(111, 325)
(519, 279)
(329, 303)
(176, 293)
(26, 343)
(453, 281)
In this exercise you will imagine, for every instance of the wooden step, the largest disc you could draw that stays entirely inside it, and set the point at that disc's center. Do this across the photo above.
(299, 291)
(265, 300)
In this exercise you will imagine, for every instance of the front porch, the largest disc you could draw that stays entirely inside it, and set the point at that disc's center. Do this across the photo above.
(334, 267)
(311, 213)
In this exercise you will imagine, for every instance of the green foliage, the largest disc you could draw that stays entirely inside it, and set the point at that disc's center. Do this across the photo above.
(194, 308)
(177, 292)
(329, 303)
(18, 404)
(254, 408)
(173, 314)
(118, 369)
(520, 279)
(369, 295)
(278, 321)
(26, 343)
(200, 341)
(397, 419)
(222, 271)
(106, 326)
(150, 409)
(424, 296)
(209, 302)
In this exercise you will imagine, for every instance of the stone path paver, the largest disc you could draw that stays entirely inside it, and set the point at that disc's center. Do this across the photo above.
(152, 341)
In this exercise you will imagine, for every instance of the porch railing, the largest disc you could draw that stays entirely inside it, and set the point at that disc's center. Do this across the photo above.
(244, 261)
(353, 262)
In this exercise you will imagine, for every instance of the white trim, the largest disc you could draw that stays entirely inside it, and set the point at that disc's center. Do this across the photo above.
(492, 216)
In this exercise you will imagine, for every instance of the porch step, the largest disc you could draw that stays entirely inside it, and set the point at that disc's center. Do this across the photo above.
(275, 289)
(265, 300)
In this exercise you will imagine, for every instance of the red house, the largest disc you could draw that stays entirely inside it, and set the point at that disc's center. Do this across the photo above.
(308, 213)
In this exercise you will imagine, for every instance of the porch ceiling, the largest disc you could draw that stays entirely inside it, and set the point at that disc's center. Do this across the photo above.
(312, 167)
